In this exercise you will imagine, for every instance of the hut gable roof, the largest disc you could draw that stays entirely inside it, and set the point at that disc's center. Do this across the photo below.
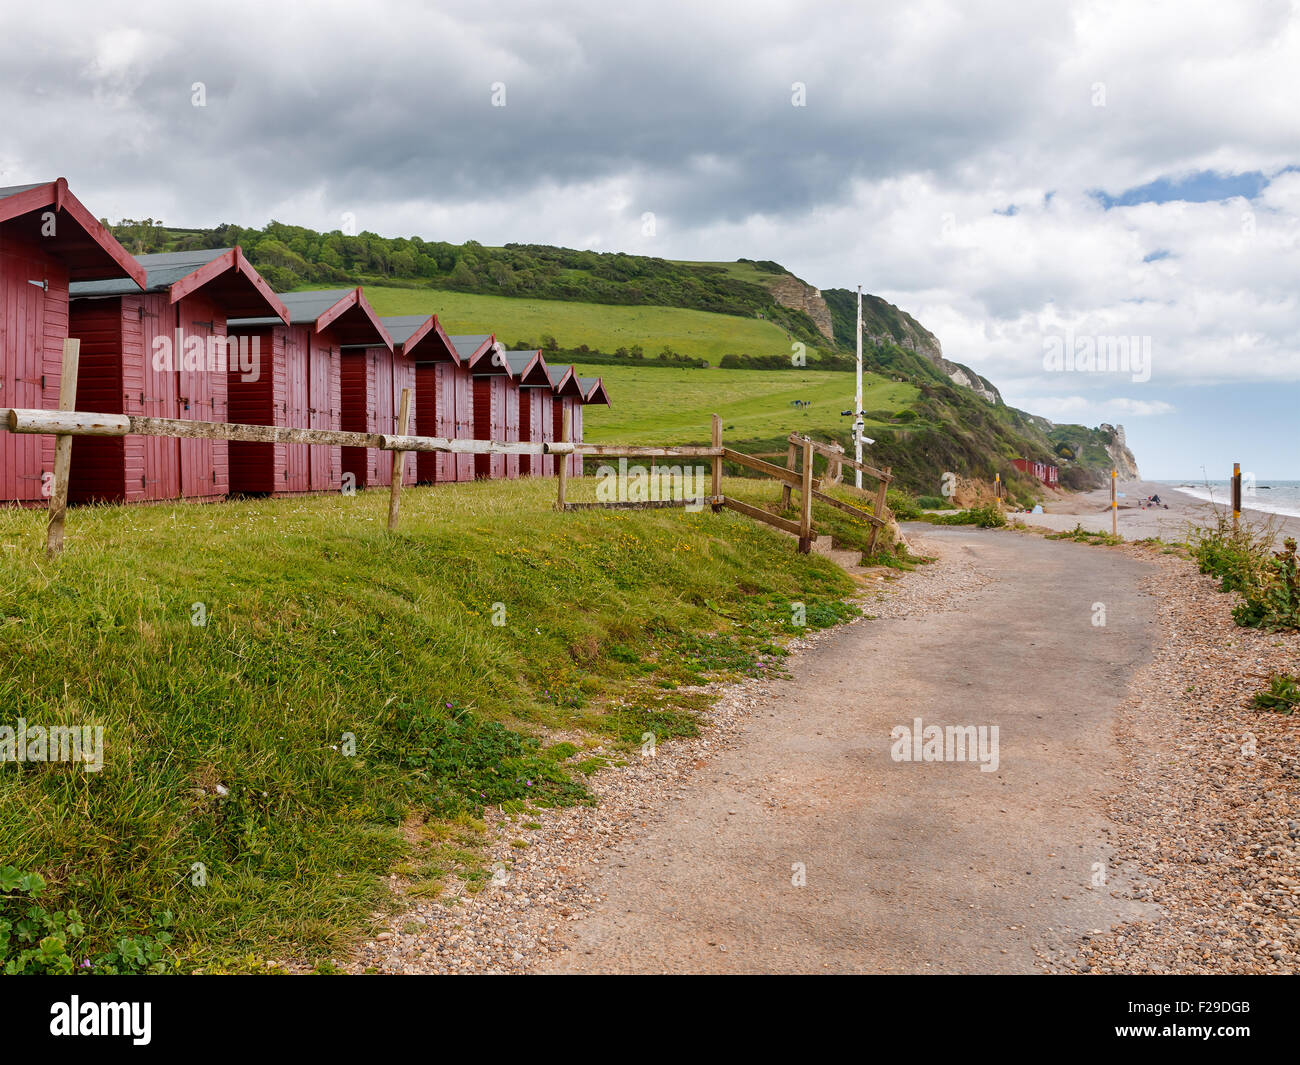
(472, 346)
(567, 383)
(421, 338)
(593, 390)
(529, 368)
(225, 274)
(345, 311)
(79, 240)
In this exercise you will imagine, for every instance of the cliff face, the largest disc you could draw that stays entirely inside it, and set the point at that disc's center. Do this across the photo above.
(1119, 453)
(883, 323)
(790, 292)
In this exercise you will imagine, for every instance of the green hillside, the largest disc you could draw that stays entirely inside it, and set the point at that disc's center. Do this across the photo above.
(602, 327)
(651, 405)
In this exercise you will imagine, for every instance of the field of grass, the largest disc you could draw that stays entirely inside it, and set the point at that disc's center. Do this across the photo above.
(602, 327)
(296, 703)
(653, 405)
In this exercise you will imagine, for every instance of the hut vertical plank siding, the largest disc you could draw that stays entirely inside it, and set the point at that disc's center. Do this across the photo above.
(252, 465)
(435, 415)
(489, 423)
(465, 424)
(204, 464)
(324, 411)
(24, 358)
(47, 240)
(511, 427)
(358, 413)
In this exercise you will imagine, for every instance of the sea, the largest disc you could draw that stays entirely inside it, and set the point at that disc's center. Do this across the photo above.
(1272, 497)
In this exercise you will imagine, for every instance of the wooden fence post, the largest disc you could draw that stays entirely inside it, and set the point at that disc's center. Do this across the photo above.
(1114, 503)
(717, 464)
(879, 509)
(786, 488)
(63, 450)
(805, 501)
(1236, 496)
(399, 460)
(562, 467)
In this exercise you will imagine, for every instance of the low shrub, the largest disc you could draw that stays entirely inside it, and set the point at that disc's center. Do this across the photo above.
(1282, 694)
(1274, 602)
(902, 504)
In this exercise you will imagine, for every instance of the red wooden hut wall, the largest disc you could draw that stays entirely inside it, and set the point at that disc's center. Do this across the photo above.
(437, 364)
(297, 385)
(46, 239)
(365, 383)
(512, 426)
(185, 304)
(534, 389)
(490, 415)
(470, 349)
(568, 396)
(397, 372)
(536, 425)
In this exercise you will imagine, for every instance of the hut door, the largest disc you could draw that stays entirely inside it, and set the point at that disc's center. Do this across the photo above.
(201, 396)
(152, 394)
(321, 399)
(22, 355)
(296, 413)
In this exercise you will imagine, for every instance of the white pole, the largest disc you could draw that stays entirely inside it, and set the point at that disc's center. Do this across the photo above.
(857, 405)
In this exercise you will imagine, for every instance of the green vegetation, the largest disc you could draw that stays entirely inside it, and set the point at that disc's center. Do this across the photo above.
(692, 333)
(36, 940)
(1243, 560)
(988, 516)
(1282, 695)
(933, 503)
(295, 257)
(1080, 535)
(1274, 603)
(296, 704)
(676, 406)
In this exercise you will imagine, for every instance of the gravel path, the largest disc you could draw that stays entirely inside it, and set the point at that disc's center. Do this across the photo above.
(947, 869)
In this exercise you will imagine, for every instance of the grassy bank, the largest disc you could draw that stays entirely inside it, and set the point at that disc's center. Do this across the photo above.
(603, 327)
(351, 700)
(652, 405)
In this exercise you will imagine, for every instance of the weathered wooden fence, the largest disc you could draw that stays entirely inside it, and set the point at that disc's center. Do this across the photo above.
(795, 476)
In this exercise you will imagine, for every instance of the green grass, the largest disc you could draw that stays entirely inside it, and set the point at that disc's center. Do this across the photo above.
(651, 405)
(602, 327)
(226, 744)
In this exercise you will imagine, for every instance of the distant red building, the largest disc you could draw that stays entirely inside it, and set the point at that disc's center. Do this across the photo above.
(1048, 474)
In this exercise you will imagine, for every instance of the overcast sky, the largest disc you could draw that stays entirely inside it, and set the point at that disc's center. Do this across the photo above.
(1008, 173)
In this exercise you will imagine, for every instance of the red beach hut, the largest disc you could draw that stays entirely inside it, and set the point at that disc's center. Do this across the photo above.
(471, 348)
(374, 374)
(536, 407)
(301, 387)
(442, 392)
(162, 350)
(47, 239)
(569, 396)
